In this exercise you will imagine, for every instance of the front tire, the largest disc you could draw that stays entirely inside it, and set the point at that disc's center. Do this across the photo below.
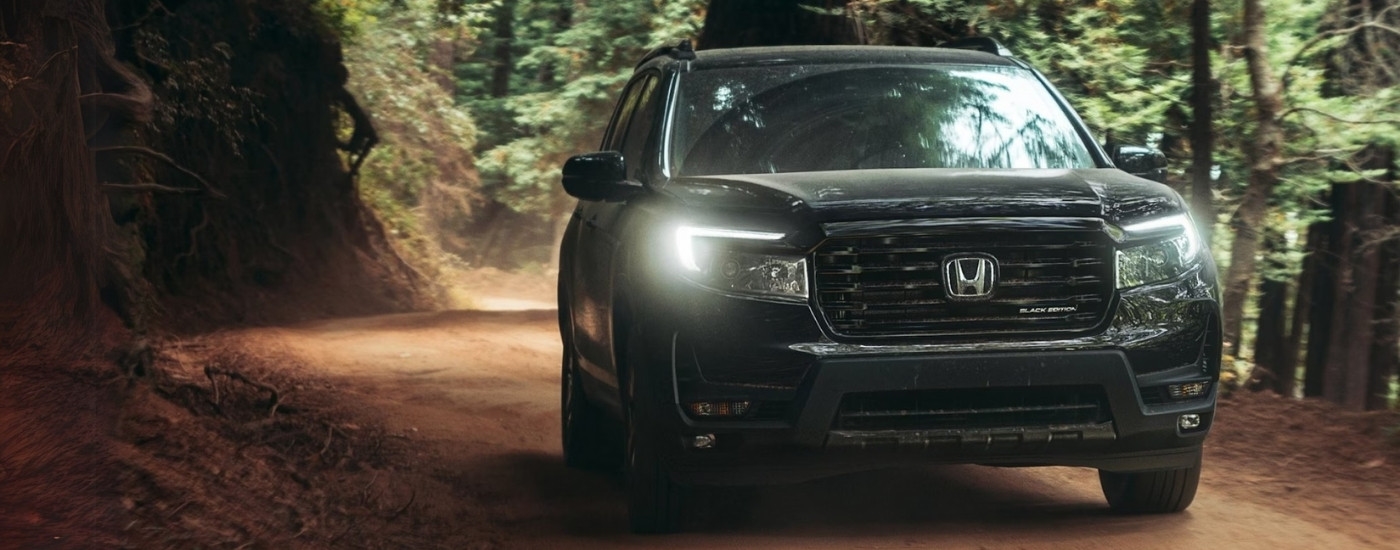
(1162, 492)
(654, 500)
(589, 438)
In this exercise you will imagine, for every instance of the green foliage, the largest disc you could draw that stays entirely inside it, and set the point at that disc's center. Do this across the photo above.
(349, 17)
(1123, 64)
(420, 179)
(571, 60)
(1118, 61)
(1324, 131)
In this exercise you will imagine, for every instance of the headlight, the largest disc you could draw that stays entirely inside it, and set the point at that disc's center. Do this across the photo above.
(1161, 260)
(724, 259)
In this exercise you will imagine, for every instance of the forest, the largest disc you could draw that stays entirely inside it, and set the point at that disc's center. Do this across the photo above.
(1280, 128)
(173, 168)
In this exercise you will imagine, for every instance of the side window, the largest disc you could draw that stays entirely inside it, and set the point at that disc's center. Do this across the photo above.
(612, 141)
(639, 129)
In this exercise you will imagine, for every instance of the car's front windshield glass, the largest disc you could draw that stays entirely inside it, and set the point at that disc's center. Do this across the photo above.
(797, 118)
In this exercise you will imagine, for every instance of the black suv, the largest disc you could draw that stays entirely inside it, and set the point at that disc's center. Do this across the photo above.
(802, 261)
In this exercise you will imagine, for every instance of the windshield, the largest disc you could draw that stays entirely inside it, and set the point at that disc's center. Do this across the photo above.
(855, 117)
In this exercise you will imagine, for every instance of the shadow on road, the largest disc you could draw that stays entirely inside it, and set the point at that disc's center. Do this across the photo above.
(954, 500)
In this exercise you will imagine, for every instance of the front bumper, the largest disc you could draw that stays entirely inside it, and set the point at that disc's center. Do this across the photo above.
(806, 444)
(779, 357)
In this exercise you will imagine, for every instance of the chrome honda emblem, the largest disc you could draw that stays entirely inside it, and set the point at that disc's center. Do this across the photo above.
(969, 276)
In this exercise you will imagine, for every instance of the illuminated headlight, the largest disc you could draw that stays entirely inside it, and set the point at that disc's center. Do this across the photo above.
(725, 260)
(1161, 260)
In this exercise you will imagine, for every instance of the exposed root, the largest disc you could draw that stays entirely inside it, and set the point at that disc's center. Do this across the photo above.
(211, 371)
(309, 479)
(152, 153)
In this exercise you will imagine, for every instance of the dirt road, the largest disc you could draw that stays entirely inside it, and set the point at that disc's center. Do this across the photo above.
(476, 394)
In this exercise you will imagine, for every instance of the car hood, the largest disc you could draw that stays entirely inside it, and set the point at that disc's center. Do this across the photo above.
(1109, 194)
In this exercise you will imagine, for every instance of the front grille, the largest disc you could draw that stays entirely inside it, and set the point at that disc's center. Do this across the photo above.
(975, 408)
(892, 284)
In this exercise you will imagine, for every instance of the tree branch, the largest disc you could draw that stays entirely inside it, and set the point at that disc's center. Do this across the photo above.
(194, 237)
(163, 158)
(1334, 117)
(149, 187)
(136, 107)
(1304, 160)
(1358, 171)
(1298, 57)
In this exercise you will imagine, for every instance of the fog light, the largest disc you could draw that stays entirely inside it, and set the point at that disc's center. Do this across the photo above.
(1188, 421)
(706, 441)
(1189, 390)
(723, 409)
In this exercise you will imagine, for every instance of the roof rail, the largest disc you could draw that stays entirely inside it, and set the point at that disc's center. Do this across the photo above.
(979, 43)
(682, 50)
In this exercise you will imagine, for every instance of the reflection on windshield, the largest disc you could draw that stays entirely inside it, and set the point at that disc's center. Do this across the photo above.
(798, 119)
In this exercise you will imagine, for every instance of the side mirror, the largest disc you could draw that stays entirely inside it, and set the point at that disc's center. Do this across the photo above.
(599, 177)
(1143, 162)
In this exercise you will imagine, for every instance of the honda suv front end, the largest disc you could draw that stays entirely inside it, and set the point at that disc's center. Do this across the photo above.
(798, 262)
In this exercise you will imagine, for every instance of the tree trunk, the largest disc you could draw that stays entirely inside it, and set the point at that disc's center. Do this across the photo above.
(1360, 305)
(1360, 211)
(58, 388)
(1202, 134)
(503, 49)
(1269, 341)
(1385, 345)
(562, 18)
(1302, 308)
(1264, 159)
(1344, 198)
(1328, 292)
(1323, 295)
(54, 218)
(737, 23)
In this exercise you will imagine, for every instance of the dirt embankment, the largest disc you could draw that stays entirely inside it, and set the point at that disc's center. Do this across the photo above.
(57, 479)
(440, 430)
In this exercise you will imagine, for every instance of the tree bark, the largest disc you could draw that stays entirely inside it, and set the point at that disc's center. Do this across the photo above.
(1269, 341)
(1360, 211)
(54, 218)
(1334, 378)
(503, 49)
(1322, 297)
(1264, 152)
(1302, 307)
(1202, 133)
(1385, 345)
(1360, 306)
(1328, 293)
(58, 392)
(738, 23)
